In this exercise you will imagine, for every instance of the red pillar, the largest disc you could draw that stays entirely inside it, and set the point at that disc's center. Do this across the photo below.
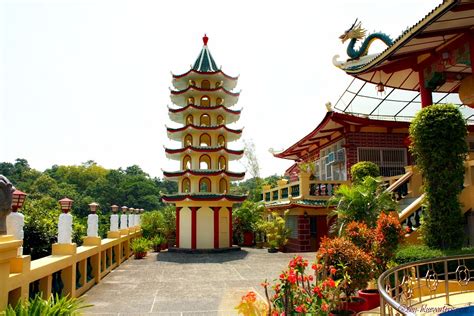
(425, 93)
(471, 51)
(177, 226)
(194, 227)
(216, 209)
(230, 226)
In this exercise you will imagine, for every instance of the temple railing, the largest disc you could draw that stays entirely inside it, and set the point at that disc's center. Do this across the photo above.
(69, 270)
(407, 288)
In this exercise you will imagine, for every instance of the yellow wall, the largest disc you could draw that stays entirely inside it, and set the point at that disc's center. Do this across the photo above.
(223, 227)
(185, 228)
(205, 228)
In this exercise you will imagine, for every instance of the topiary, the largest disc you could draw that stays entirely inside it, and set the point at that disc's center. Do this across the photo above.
(364, 169)
(334, 252)
(439, 147)
(360, 235)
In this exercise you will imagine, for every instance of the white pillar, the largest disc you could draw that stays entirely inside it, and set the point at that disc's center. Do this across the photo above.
(15, 224)
(123, 221)
(114, 222)
(65, 228)
(93, 225)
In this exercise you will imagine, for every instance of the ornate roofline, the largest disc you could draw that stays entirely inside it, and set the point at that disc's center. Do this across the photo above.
(338, 118)
(203, 172)
(204, 149)
(204, 197)
(405, 36)
(203, 128)
(205, 73)
(177, 92)
(236, 112)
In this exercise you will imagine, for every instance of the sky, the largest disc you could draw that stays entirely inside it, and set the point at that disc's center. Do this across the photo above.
(89, 80)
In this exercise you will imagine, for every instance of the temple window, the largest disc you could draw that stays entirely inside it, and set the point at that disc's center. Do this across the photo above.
(222, 163)
(189, 120)
(186, 163)
(188, 140)
(205, 101)
(205, 185)
(220, 120)
(219, 101)
(190, 100)
(186, 186)
(205, 162)
(205, 120)
(223, 186)
(192, 83)
(205, 84)
(221, 141)
(205, 140)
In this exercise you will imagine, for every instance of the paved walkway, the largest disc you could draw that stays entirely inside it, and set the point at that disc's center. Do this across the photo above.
(185, 284)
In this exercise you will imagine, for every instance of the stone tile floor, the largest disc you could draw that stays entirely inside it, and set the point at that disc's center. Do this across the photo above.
(185, 284)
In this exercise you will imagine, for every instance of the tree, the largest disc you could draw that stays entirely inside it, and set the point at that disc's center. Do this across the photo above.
(438, 135)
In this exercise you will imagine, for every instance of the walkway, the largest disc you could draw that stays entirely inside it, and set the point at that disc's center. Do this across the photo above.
(185, 284)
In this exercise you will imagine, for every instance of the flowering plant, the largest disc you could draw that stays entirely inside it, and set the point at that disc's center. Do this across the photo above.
(303, 290)
(249, 305)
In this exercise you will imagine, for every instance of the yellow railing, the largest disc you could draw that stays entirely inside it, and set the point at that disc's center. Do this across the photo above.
(69, 270)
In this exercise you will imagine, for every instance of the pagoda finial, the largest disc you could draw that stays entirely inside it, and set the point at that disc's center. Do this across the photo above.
(205, 39)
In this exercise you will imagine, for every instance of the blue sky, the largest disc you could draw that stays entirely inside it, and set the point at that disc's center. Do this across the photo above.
(89, 80)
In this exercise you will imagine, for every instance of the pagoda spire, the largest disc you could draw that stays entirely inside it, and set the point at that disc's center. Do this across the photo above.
(204, 62)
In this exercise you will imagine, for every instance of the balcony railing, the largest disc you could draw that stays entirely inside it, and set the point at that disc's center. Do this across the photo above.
(406, 288)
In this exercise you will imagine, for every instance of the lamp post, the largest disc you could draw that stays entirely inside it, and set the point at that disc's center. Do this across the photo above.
(123, 218)
(114, 220)
(16, 220)
(93, 221)
(65, 222)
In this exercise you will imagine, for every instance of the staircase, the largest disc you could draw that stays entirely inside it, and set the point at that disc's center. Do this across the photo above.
(406, 189)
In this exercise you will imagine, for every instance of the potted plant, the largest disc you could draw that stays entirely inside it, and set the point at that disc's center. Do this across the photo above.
(156, 243)
(245, 218)
(140, 247)
(277, 233)
(164, 243)
(261, 229)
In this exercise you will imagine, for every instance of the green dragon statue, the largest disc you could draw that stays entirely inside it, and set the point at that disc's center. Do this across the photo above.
(356, 33)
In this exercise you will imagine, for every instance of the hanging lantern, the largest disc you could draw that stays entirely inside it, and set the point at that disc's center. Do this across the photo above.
(466, 91)
(66, 204)
(380, 88)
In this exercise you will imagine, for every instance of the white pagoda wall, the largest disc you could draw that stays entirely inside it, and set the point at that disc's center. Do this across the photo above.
(223, 227)
(185, 228)
(205, 228)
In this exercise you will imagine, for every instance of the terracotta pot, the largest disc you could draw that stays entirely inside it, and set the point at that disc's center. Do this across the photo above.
(156, 248)
(164, 246)
(259, 244)
(356, 304)
(248, 239)
(140, 255)
(372, 297)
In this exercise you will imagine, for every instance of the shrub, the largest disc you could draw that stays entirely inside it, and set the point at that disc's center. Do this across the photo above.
(52, 306)
(152, 223)
(411, 253)
(155, 243)
(358, 264)
(277, 232)
(388, 235)
(360, 235)
(364, 169)
(438, 144)
(360, 202)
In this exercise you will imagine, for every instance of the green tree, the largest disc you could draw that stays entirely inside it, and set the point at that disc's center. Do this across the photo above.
(438, 135)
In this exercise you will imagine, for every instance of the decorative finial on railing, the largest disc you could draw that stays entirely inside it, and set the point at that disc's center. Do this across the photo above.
(205, 39)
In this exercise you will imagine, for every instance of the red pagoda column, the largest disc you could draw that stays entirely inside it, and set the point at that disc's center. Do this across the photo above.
(194, 227)
(216, 209)
(425, 93)
(230, 226)
(177, 226)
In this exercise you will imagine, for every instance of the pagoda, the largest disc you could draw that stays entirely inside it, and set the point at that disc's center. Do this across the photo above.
(203, 99)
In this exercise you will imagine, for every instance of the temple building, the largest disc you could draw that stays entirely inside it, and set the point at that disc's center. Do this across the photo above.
(203, 101)
(429, 63)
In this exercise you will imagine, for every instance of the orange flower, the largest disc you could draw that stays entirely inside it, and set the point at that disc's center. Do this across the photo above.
(324, 307)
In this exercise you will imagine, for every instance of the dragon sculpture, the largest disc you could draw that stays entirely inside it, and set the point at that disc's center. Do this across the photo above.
(356, 33)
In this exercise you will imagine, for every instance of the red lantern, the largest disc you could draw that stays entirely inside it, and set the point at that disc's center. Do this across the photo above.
(380, 88)
(18, 200)
(93, 207)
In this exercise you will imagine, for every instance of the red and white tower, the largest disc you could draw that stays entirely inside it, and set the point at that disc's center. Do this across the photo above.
(203, 101)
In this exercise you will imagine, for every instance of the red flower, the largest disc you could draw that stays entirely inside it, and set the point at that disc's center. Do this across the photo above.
(317, 290)
(310, 277)
(324, 307)
(300, 309)
(332, 271)
(292, 278)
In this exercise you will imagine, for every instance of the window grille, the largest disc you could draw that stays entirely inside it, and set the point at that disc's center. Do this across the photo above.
(292, 223)
(392, 161)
